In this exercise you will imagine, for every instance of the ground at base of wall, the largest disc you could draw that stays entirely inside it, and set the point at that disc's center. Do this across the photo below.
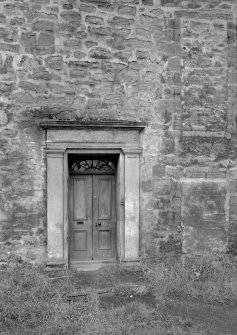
(121, 288)
(135, 300)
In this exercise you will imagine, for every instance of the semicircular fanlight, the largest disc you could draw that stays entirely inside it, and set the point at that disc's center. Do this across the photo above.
(93, 165)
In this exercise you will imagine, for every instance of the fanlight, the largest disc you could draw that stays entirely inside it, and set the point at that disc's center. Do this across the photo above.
(93, 166)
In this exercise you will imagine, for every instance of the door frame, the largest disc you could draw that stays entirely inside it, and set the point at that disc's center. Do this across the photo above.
(119, 211)
(101, 137)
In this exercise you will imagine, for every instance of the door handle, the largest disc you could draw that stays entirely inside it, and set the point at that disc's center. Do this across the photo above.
(98, 224)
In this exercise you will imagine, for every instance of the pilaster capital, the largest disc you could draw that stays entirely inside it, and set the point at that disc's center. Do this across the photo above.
(54, 152)
(132, 151)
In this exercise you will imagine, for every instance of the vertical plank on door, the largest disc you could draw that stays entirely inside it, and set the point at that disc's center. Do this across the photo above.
(81, 218)
(104, 217)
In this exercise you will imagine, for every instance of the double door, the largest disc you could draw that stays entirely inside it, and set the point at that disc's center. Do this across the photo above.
(92, 217)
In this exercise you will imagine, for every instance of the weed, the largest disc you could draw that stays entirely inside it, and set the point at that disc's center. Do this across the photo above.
(35, 302)
(212, 277)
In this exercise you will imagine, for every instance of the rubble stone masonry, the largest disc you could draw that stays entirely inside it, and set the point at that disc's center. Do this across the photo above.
(171, 63)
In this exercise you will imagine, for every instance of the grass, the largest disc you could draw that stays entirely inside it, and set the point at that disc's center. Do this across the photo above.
(32, 302)
(212, 277)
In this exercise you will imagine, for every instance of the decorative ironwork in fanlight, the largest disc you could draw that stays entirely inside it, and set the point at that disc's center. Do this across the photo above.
(93, 166)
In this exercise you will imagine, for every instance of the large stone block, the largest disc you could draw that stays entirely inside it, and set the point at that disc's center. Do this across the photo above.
(170, 3)
(72, 43)
(94, 20)
(135, 43)
(127, 10)
(17, 21)
(31, 86)
(54, 62)
(142, 54)
(84, 7)
(23, 98)
(100, 53)
(2, 19)
(78, 69)
(123, 55)
(79, 54)
(204, 216)
(29, 41)
(195, 172)
(3, 118)
(117, 43)
(100, 31)
(210, 148)
(72, 17)
(81, 35)
(41, 73)
(91, 44)
(6, 88)
(121, 32)
(43, 25)
(46, 43)
(128, 76)
(69, 4)
(120, 21)
(143, 33)
(148, 2)
(10, 47)
(151, 22)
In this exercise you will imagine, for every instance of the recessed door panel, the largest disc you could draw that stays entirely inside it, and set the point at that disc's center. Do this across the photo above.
(79, 198)
(104, 199)
(104, 239)
(80, 240)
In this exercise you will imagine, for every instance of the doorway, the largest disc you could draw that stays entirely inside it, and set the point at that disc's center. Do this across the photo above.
(71, 140)
(92, 208)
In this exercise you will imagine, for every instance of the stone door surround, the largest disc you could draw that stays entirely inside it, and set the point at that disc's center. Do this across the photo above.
(101, 137)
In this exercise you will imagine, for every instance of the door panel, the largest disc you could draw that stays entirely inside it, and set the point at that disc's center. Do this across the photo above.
(104, 217)
(104, 199)
(79, 199)
(81, 218)
(93, 217)
(104, 239)
(80, 240)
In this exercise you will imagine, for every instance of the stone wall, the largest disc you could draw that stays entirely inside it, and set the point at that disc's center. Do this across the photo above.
(171, 63)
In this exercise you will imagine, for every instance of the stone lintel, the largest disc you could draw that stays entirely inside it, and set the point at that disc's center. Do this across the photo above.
(58, 148)
(93, 124)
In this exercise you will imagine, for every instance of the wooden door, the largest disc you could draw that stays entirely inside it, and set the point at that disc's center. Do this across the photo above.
(81, 218)
(92, 217)
(104, 217)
